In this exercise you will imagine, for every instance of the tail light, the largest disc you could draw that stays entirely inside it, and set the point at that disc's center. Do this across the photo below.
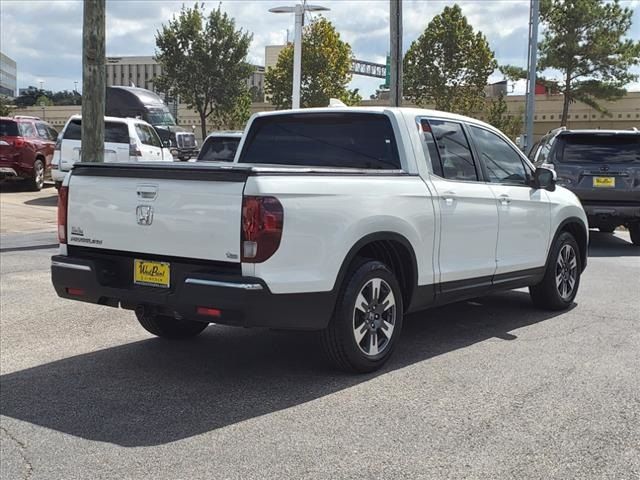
(19, 142)
(262, 219)
(134, 151)
(63, 201)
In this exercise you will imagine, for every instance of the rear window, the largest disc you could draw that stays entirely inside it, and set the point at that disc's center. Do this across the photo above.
(595, 148)
(114, 132)
(218, 149)
(8, 128)
(349, 140)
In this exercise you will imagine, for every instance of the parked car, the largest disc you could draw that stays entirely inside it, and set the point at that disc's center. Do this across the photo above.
(602, 167)
(220, 147)
(125, 140)
(26, 149)
(339, 220)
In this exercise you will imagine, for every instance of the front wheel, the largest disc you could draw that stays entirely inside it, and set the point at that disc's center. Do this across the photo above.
(168, 327)
(560, 284)
(634, 230)
(367, 321)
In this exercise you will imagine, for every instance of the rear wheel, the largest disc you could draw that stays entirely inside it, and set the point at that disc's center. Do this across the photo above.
(634, 230)
(562, 276)
(36, 182)
(168, 327)
(367, 321)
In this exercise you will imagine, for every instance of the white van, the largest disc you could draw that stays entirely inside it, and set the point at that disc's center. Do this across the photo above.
(125, 140)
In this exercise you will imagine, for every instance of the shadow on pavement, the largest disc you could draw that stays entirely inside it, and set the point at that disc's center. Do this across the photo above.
(14, 186)
(610, 245)
(49, 201)
(153, 392)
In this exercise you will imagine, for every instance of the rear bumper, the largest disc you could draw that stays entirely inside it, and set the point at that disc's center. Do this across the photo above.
(242, 301)
(611, 214)
(58, 175)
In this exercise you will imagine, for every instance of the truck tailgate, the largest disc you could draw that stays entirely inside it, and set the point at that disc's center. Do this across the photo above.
(169, 210)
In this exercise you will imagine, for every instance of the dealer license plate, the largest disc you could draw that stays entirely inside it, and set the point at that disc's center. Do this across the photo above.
(604, 182)
(154, 274)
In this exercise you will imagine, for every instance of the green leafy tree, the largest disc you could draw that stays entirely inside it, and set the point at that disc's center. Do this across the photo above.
(449, 64)
(5, 110)
(585, 40)
(237, 118)
(326, 62)
(497, 114)
(203, 61)
(44, 101)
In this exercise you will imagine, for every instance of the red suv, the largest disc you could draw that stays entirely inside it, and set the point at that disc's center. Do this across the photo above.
(26, 149)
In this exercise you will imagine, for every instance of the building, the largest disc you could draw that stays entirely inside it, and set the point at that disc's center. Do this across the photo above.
(142, 71)
(8, 76)
(129, 71)
(271, 54)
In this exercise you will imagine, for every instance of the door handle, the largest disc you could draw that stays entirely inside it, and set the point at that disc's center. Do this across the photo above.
(505, 200)
(449, 197)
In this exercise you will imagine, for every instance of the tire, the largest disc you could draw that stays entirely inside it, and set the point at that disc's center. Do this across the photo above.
(607, 229)
(561, 280)
(634, 231)
(377, 321)
(168, 327)
(57, 185)
(36, 182)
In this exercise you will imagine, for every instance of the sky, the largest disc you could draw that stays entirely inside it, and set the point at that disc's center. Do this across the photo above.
(45, 36)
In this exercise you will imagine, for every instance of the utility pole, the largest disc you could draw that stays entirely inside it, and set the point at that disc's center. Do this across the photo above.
(531, 83)
(395, 29)
(93, 81)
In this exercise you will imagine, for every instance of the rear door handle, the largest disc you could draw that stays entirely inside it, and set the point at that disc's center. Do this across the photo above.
(449, 197)
(504, 200)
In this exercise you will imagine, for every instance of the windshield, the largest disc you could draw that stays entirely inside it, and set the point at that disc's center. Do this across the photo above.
(161, 116)
(221, 149)
(598, 148)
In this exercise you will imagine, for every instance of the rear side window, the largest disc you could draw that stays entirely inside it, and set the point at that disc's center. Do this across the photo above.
(27, 130)
(597, 148)
(42, 131)
(114, 132)
(218, 149)
(9, 128)
(349, 140)
(455, 154)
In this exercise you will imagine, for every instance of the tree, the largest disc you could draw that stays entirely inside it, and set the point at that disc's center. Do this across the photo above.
(237, 118)
(449, 64)
(326, 62)
(498, 116)
(203, 61)
(584, 39)
(5, 109)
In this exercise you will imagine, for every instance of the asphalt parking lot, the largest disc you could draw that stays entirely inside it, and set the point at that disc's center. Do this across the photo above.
(485, 389)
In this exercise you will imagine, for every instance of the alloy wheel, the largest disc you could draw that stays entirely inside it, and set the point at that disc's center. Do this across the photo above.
(374, 317)
(566, 271)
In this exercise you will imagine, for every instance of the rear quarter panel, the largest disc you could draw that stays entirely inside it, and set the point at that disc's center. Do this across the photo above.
(325, 216)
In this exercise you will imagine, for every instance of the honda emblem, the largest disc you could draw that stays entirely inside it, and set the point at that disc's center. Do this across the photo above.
(144, 214)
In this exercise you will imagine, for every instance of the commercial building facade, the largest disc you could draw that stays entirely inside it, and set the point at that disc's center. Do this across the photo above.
(8, 76)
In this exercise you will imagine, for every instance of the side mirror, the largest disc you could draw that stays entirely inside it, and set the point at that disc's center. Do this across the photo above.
(545, 178)
(166, 143)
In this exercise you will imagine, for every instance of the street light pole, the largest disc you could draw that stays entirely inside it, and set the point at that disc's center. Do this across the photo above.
(298, 10)
(395, 61)
(531, 84)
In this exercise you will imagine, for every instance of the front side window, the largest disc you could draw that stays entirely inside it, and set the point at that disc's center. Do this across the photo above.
(501, 162)
(455, 153)
(152, 135)
(349, 140)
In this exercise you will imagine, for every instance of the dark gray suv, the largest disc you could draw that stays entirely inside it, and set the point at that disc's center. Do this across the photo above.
(602, 167)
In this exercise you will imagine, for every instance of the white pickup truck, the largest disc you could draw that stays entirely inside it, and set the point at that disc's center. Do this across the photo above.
(335, 219)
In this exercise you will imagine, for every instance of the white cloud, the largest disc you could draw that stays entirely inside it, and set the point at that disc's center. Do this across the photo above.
(45, 37)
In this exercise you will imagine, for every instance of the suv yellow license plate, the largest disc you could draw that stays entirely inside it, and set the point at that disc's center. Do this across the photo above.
(154, 274)
(604, 182)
